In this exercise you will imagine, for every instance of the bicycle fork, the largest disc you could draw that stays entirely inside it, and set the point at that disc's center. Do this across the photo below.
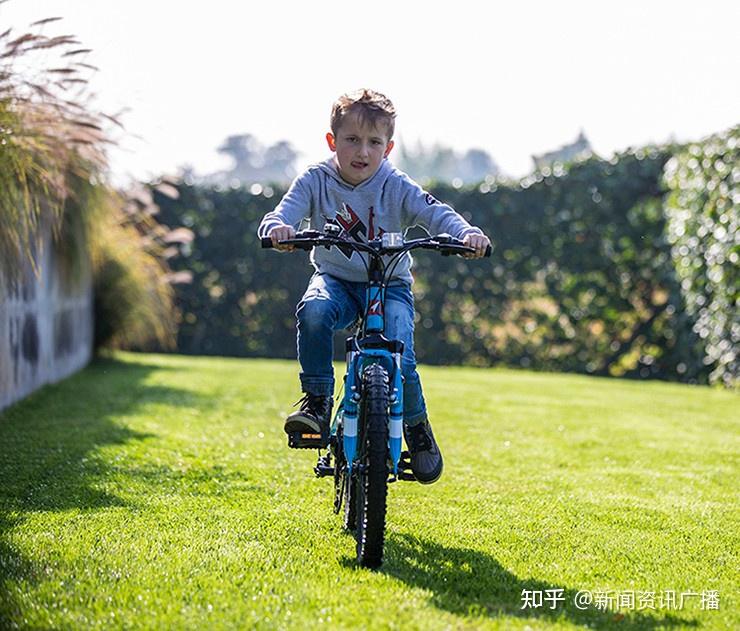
(351, 406)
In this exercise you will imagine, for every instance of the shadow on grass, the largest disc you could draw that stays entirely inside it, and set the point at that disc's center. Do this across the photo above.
(470, 582)
(47, 454)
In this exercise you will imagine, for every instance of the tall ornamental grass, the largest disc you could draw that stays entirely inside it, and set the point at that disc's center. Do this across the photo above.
(54, 173)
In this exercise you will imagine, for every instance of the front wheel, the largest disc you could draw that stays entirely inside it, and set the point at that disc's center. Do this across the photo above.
(372, 473)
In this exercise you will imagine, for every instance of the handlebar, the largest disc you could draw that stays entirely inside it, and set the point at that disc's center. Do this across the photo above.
(308, 239)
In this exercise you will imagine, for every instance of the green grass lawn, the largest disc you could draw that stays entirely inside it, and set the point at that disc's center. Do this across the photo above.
(157, 492)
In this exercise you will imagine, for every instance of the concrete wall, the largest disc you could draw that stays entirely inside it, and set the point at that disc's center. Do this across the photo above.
(46, 325)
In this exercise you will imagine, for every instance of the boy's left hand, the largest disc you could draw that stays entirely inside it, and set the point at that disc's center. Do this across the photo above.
(478, 241)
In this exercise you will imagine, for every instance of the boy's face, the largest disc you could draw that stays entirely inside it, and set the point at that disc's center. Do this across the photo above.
(360, 149)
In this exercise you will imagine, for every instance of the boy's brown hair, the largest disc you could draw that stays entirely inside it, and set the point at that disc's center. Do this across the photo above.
(371, 107)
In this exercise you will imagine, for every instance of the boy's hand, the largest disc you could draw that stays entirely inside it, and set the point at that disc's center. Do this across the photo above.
(478, 241)
(281, 233)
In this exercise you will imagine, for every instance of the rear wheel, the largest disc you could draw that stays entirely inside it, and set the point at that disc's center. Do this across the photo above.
(345, 495)
(350, 503)
(372, 474)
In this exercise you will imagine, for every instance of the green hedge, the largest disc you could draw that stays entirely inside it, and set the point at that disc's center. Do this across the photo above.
(582, 278)
(704, 232)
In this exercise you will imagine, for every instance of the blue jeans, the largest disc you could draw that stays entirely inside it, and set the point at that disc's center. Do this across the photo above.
(331, 304)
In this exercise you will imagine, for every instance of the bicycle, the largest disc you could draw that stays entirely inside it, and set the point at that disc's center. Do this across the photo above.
(364, 439)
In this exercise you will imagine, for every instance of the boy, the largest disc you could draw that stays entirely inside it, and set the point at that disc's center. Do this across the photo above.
(360, 190)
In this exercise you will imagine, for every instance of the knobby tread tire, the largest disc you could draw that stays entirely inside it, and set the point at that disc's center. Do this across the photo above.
(372, 482)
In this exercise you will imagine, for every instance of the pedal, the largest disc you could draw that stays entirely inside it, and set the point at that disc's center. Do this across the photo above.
(306, 440)
(404, 464)
(323, 467)
(404, 468)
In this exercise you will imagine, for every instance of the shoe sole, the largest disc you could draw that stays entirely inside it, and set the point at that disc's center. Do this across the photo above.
(302, 424)
(433, 479)
(298, 422)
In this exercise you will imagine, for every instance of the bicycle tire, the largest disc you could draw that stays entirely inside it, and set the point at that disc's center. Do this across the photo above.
(372, 476)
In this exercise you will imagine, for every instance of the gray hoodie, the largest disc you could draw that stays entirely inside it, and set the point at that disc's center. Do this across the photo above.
(389, 201)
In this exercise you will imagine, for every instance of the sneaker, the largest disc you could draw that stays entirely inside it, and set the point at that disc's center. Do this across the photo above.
(312, 421)
(426, 459)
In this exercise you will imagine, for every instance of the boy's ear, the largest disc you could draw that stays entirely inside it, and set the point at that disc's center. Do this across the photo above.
(388, 148)
(331, 141)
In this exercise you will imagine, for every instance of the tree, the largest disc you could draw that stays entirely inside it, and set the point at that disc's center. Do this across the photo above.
(443, 164)
(255, 163)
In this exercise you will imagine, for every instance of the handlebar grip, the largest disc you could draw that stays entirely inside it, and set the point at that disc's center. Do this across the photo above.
(489, 249)
(266, 242)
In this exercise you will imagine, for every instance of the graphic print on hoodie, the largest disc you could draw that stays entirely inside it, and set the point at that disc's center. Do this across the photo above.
(389, 201)
(354, 229)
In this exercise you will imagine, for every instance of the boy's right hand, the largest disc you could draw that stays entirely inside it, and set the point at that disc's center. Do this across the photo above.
(281, 233)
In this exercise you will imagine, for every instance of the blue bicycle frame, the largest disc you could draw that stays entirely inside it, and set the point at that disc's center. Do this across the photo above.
(372, 348)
